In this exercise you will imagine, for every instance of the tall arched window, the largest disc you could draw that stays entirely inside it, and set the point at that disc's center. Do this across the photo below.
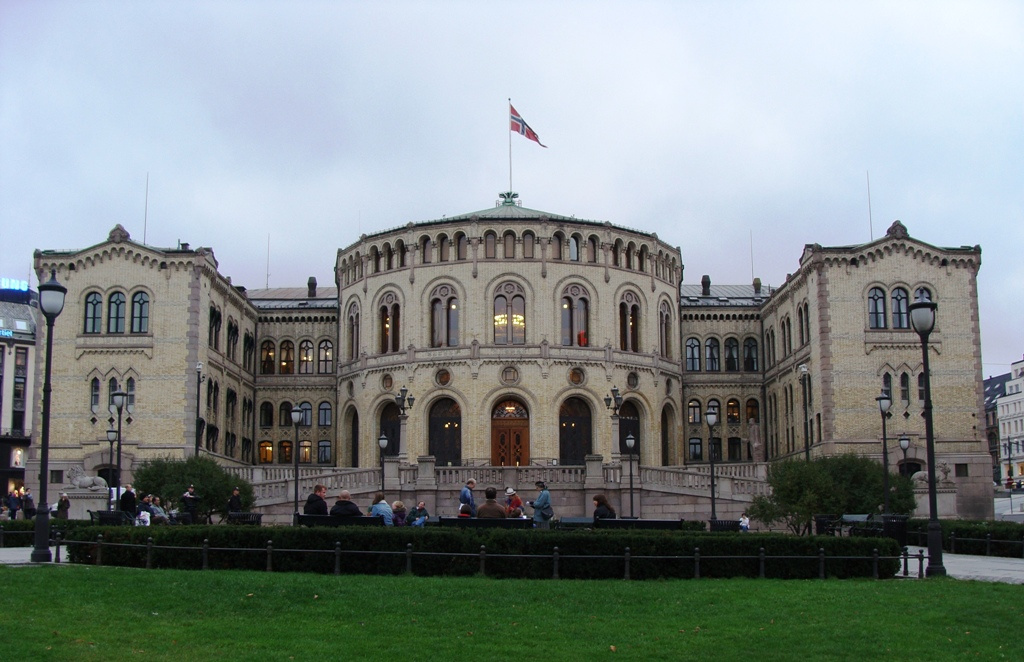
(325, 357)
(462, 247)
(324, 415)
(592, 249)
(444, 317)
(529, 240)
(444, 246)
(712, 356)
(732, 355)
(887, 385)
(353, 331)
(693, 412)
(905, 388)
(445, 433)
(557, 240)
(629, 323)
(389, 324)
(732, 411)
(574, 248)
(575, 316)
(510, 315)
(93, 313)
(665, 330)
(287, 357)
(266, 415)
(115, 313)
(94, 395)
(900, 314)
(629, 424)
(140, 312)
(574, 432)
(876, 308)
(426, 250)
(306, 357)
(750, 355)
(284, 455)
(510, 245)
(692, 355)
(490, 245)
(266, 452)
(307, 414)
(267, 364)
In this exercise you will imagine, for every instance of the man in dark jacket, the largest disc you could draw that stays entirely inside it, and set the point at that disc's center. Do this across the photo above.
(345, 507)
(315, 504)
(129, 506)
(490, 507)
(235, 501)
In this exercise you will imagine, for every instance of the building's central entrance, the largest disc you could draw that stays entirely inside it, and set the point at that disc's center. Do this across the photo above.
(510, 435)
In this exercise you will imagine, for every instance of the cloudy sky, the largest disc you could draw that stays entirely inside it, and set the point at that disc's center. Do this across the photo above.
(738, 131)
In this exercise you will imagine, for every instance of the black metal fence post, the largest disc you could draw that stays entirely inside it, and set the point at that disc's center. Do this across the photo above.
(408, 558)
(696, 562)
(337, 557)
(920, 564)
(483, 559)
(906, 562)
(206, 554)
(988, 544)
(554, 563)
(952, 542)
(760, 555)
(99, 549)
(874, 563)
(56, 541)
(270, 555)
(821, 563)
(149, 553)
(626, 557)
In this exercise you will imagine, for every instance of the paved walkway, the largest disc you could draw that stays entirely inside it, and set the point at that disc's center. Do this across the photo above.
(959, 566)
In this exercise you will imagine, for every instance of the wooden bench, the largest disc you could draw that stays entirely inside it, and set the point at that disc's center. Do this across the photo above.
(111, 518)
(650, 524)
(255, 519)
(333, 520)
(487, 522)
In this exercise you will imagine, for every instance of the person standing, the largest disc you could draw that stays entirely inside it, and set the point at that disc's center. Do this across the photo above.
(602, 509)
(190, 501)
(491, 508)
(129, 506)
(13, 503)
(63, 506)
(542, 511)
(744, 522)
(466, 497)
(512, 501)
(315, 502)
(235, 501)
(28, 503)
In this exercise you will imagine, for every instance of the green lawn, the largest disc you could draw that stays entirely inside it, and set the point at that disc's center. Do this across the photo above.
(88, 613)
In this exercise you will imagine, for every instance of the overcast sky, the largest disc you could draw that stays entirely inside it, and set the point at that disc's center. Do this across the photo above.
(731, 129)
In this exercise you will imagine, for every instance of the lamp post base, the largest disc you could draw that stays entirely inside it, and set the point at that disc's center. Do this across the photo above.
(41, 551)
(935, 567)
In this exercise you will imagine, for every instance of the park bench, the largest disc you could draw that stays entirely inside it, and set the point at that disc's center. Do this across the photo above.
(863, 525)
(334, 520)
(111, 518)
(649, 524)
(724, 525)
(245, 518)
(487, 522)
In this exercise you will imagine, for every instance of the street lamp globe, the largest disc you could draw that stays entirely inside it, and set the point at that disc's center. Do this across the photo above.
(51, 296)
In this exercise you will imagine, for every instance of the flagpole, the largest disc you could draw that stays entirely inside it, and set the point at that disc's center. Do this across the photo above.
(509, 145)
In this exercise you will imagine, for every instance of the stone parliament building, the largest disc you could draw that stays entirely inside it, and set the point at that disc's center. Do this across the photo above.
(512, 345)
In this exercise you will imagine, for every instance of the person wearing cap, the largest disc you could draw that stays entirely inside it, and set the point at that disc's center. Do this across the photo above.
(190, 500)
(63, 506)
(542, 512)
(235, 501)
(512, 501)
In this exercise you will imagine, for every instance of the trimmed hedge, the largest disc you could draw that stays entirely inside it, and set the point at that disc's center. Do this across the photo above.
(21, 532)
(514, 554)
(1007, 538)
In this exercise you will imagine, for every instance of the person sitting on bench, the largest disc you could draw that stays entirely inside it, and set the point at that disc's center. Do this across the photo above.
(345, 507)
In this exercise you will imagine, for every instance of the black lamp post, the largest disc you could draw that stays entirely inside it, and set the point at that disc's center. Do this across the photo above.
(712, 417)
(904, 444)
(296, 417)
(111, 438)
(119, 398)
(383, 443)
(922, 318)
(884, 402)
(51, 302)
(200, 378)
(629, 444)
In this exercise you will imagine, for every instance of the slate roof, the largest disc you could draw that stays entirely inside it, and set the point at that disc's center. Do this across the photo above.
(995, 388)
(691, 296)
(290, 298)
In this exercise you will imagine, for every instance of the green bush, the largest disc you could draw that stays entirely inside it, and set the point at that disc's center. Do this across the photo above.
(1007, 538)
(21, 533)
(456, 552)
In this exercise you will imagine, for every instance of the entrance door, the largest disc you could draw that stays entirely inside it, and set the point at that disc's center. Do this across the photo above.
(510, 435)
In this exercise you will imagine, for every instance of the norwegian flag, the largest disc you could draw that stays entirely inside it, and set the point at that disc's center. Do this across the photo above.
(519, 125)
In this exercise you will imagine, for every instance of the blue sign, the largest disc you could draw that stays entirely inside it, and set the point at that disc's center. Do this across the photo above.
(13, 284)
(6, 333)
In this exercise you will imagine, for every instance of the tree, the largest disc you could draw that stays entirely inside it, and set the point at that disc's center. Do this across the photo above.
(835, 485)
(169, 479)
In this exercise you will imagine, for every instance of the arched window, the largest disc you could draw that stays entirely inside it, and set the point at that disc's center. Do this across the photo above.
(575, 317)
(444, 317)
(140, 312)
(93, 313)
(692, 355)
(732, 355)
(426, 250)
(712, 355)
(287, 361)
(750, 355)
(800, 324)
(693, 412)
(876, 308)
(462, 247)
(510, 315)
(557, 240)
(574, 248)
(267, 363)
(732, 411)
(305, 451)
(444, 247)
(510, 246)
(323, 451)
(112, 388)
(129, 389)
(266, 415)
(900, 315)
(592, 249)
(389, 257)
(920, 387)
(353, 331)
(753, 412)
(325, 357)
(715, 443)
(490, 245)
(284, 414)
(665, 330)
(629, 424)
(629, 323)
(94, 395)
(389, 324)
(266, 452)
(905, 388)
(574, 432)
(307, 414)
(324, 415)
(306, 357)
(445, 437)
(529, 240)
(284, 454)
(115, 313)
(887, 385)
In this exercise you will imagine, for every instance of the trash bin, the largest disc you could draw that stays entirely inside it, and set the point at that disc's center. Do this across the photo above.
(823, 524)
(895, 526)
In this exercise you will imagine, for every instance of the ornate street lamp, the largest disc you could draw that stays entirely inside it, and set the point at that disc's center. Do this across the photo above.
(296, 417)
(383, 443)
(905, 445)
(629, 444)
(922, 318)
(712, 417)
(884, 402)
(111, 438)
(200, 378)
(51, 302)
(119, 397)
(404, 400)
(613, 401)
